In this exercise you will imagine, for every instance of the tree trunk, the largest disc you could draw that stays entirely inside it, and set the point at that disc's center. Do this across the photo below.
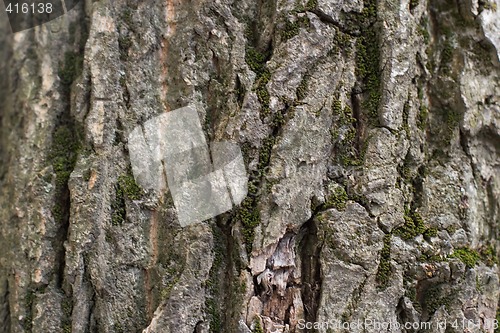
(370, 133)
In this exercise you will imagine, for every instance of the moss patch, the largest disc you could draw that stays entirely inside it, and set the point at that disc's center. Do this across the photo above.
(124, 44)
(488, 5)
(257, 326)
(165, 292)
(302, 88)
(422, 30)
(469, 257)
(414, 226)
(118, 211)
(67, 309)
(447, 52)
(29, 299)
(211, 304)
(423, 115)
(337, 200)
(63, 155)
(248, 212)
(452, 119)
(343, 42)
(130, 187)
(265, 151)
(488, 255)
(368, 61)
(71, 68)
(250, 218)
(126, 187)
(434, 299)
(127, 17)
(414, 4)
(257, 62)
(292, 28)
(311, 4)
(344, 134)
(430, 232)
(384, 268)
(406, 114)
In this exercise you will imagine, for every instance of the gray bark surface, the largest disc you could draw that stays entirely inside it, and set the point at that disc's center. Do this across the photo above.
(370, 133)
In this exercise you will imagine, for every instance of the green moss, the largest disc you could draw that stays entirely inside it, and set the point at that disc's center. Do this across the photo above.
(67, 306)
(257, 326)
(130, 187)
(124, 44)
(127, 17)
(67, 309)
(384, 268)
(344, 135)
(250, 219)
(411, 291)
(343, 42)
(351, 157)
(292, 28)
(338, 199)
(165, 292)
(406, 172)
(423, 30)
(29, 300)
(211, 304)
(257, 63)
(489, 5)
(337, 107)
(118, 211)
(86, 175)
(488, 256)
(430, 232)
(368, 61)
(279, 119)
(360, 199)
(447, 56)
(311, 4)
(264, 97)
(248, 212)
(302, 88)
(449, 121)
(433, 299)
(423, 115)
(452, 118)
(63, 155)
(414, 226)
(57, 210)
(126, 187)
(64, 152)
(469, 257)
(406, 113)
(265, 151)
(118, 328)
(214, 316)
(71, 69)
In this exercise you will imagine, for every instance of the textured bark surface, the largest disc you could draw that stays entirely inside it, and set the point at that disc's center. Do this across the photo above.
(371, 136)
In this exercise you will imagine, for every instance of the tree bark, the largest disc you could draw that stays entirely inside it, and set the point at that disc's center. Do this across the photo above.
(370, 132)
